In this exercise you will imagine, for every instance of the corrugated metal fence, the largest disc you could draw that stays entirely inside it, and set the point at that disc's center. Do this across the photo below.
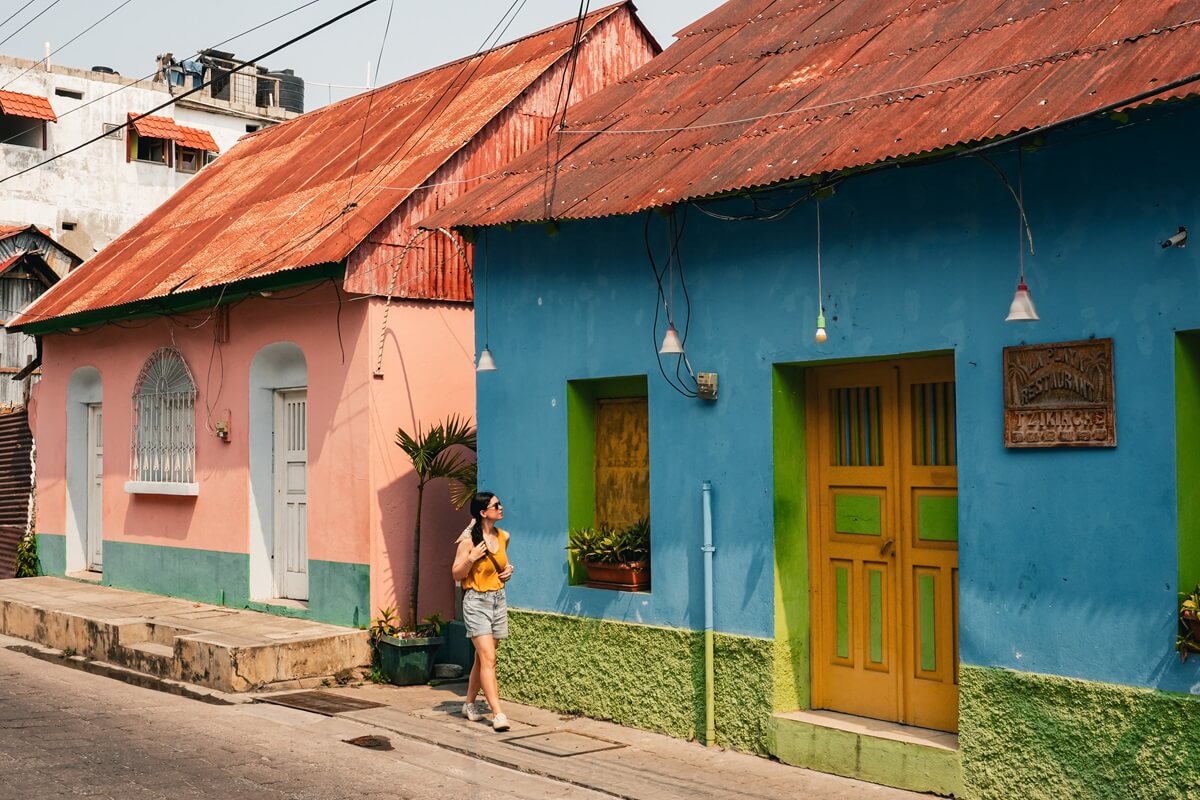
(16, 483)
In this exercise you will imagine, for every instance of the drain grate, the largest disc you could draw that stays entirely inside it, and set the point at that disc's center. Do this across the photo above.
(564, 743)
(325, 703)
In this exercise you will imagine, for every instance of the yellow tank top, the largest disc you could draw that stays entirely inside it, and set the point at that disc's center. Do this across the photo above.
(483, 577)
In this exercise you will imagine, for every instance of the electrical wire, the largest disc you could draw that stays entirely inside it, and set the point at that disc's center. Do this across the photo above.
(573, 58)
(370, 100)
(425, 124)
(1008, 68)
(147, 77)
(554, 143)
(18, 11)
(192, 91)
(29, 22)
(661, 302)
(397, 161)
(68, 44)
(1017, 197)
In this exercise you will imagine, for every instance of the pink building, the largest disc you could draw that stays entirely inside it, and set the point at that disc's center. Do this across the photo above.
(223, 383)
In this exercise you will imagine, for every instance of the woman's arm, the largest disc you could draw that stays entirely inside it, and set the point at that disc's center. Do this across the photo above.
(465, 558)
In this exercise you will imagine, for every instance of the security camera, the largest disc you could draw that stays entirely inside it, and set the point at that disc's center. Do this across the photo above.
(1178, 240)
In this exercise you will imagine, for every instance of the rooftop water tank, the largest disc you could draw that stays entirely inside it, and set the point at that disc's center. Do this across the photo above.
(282, 88)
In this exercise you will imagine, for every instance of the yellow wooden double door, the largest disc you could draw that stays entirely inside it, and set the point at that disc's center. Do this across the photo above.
(883, 523)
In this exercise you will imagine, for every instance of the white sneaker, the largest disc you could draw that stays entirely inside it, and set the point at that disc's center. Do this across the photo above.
(500, 722)
(471, 712)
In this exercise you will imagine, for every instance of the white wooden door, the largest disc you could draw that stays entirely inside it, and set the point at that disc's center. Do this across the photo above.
(291, 493)
(95, 483)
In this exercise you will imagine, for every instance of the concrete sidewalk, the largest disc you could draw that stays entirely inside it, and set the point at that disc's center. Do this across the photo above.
(601, 756)
(180, 642)
(228, 649)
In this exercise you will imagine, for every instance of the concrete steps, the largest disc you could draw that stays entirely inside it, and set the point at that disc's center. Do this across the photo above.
(230, 650)
(887, 753)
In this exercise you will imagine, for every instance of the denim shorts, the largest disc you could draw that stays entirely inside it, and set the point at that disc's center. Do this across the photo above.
(485, 613)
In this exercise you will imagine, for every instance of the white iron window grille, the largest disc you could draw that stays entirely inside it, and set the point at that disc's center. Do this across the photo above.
(164, 420)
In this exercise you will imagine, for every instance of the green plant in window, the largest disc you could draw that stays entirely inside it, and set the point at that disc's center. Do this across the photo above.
(1188, 640)
(605, 545)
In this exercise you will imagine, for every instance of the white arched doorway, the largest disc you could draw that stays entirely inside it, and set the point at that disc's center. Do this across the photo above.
(278, 433)
(85, 471)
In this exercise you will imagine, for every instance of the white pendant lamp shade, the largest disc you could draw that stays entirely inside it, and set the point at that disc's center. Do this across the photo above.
(671, 344)
(1022, 309)
(486, 362)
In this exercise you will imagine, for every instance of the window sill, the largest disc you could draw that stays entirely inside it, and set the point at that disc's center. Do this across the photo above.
(162, 487)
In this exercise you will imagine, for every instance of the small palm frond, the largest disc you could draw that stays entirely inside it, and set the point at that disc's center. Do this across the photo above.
(464, 484)
(437, 452)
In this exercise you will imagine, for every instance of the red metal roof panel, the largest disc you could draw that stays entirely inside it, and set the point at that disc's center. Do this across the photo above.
(17, 104)
(761, 92)
(310, 190)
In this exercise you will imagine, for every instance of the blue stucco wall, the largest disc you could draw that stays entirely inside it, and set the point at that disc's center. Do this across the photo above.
(1068, 557)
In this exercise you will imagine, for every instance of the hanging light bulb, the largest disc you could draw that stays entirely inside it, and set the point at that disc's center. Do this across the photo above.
(1022, 309)
(671, 344)
(822, 336)
(486, 362)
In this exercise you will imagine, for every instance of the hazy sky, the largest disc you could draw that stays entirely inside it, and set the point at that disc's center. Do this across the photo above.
(423, 34)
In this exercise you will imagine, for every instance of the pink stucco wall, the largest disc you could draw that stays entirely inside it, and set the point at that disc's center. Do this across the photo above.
(361, 487)
(428, 373)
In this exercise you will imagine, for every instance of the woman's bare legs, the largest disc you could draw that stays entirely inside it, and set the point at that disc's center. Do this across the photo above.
(483, 672)
(473, 686)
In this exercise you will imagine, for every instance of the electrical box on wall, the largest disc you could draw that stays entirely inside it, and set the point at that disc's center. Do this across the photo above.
(707, 385)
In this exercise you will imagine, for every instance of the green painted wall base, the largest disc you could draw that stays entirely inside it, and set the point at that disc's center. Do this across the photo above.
(339, 593)
(639, 675)
(209, 576)
(1039, 737)
(904, 765)
(52, 553)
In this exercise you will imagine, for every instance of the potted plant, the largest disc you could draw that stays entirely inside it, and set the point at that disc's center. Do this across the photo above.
(615, 558)
(1188, 640)
(404, 656)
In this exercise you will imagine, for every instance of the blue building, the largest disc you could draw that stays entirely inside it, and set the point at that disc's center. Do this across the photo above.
(948, 547)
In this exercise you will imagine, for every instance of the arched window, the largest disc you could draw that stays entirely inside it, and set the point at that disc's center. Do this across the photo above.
(164, 420)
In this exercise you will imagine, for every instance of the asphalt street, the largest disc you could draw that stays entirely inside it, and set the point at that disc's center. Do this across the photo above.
(66, 733)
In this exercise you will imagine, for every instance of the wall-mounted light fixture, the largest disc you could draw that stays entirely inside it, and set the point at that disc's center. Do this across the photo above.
(1177, 240)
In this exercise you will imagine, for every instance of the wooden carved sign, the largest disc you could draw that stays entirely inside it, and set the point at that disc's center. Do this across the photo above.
(1059, 395)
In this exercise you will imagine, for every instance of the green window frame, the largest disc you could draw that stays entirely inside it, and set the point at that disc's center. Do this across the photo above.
(583, 398)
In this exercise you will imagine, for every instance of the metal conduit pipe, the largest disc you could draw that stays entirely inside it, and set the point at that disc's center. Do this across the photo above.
(710, 723)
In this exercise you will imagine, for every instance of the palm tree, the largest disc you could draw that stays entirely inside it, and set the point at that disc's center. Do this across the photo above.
(439, 452)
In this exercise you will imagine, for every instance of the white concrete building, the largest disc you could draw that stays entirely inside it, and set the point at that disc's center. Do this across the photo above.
(86, 199)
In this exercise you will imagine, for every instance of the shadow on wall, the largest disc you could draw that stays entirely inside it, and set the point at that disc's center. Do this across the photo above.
(441, 525)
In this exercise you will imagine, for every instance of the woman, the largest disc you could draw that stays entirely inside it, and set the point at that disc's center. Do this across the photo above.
(481, 564)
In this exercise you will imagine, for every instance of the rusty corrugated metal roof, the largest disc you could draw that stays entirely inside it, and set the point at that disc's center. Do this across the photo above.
(167, 128)
(308, 191)
(762, 91)
(19, 104)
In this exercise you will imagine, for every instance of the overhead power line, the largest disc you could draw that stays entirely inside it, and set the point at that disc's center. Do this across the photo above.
(29, 22)
(125, 86)
(240, 65)
(65, 46)
(18, 11)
